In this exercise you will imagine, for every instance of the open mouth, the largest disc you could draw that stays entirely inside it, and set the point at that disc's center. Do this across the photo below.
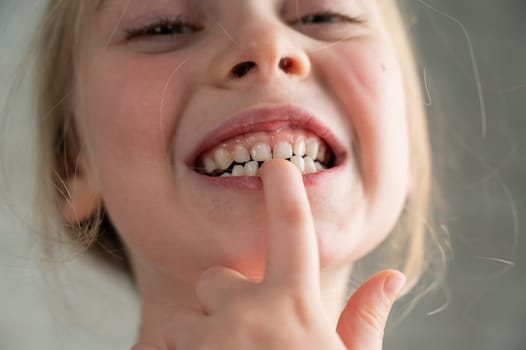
(244, 155)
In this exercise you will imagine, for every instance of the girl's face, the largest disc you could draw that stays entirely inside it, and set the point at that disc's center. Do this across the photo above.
(173, 90)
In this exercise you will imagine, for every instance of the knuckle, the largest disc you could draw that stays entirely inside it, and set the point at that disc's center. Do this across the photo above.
(211, 278)
(210, 274)
(250, 317)
(302, 308)
(291, 211)
(243, 317)
(373, 318)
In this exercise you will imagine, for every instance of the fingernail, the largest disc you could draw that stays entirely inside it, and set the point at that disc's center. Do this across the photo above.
(393, 285)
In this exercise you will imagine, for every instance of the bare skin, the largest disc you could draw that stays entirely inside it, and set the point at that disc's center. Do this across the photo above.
(285, 310)
(207, 252)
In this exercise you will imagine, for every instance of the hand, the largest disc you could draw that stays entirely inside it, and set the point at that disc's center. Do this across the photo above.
(284, 311)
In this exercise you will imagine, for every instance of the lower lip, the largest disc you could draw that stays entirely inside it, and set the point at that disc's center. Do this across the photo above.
(253, 183)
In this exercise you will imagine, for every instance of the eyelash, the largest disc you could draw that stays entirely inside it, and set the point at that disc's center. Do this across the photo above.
(178, 26)
(329, 16)
(163, 27)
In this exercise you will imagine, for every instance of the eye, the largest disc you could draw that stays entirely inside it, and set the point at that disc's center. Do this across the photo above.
(329, 25)
(163, 28)
(163, 34)
(326, 17)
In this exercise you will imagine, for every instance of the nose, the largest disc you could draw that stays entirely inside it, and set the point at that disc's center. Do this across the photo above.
(288, 65)
(259, 52)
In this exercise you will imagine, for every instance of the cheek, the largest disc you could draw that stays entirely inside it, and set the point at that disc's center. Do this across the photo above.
(129, 121)
(126, 116)
(130, 104)
(129, 111)
(367, 83)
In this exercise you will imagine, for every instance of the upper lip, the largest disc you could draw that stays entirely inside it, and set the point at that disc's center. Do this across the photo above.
(268, 118)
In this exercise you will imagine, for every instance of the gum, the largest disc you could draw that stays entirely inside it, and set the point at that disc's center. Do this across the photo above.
(270, 138)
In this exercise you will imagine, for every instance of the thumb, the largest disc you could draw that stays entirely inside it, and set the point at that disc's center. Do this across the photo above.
(362, 322)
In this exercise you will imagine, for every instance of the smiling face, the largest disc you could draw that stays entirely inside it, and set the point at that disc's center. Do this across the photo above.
(171, 91)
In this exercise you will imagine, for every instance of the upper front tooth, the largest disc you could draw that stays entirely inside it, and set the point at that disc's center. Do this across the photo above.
(299, 147)
(223, 158)
(282, 150)
(261, 152)
(322, 154)
(241, 154)
(312, 148)
(299, 162)
(310, 167)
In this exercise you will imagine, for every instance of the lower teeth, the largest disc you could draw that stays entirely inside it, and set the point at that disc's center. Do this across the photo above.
(305, 164)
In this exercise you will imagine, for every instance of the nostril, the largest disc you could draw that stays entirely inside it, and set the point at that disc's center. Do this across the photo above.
(243, 68)
(287, 65)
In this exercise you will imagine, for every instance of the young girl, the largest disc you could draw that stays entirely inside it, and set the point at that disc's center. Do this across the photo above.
(243, 155)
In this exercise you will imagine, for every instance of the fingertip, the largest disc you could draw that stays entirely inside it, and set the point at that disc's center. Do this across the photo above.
(276, 166)
(363, 320)
(394, 284)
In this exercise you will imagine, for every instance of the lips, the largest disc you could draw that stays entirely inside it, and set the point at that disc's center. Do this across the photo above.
(239, 146)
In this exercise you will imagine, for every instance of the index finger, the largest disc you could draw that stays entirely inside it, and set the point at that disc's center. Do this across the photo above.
(292, 248)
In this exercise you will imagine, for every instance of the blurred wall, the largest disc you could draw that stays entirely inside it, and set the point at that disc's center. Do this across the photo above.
(472, 65)
(473, 58)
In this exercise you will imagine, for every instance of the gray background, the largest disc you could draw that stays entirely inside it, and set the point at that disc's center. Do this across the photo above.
(471, 48)
(482, 168)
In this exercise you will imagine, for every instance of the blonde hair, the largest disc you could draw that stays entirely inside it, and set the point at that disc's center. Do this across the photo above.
(59, 144)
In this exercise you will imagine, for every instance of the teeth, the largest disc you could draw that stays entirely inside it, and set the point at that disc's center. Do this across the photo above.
(210, 165)
(310, 167)
(309, 154)
(251, 168)
(223, 158)
(299, 162)
(261, 152)
(322, 154)
(299, 147)
(241, 154)
(225, 175)
(282, 150)
(312, 149)
(238, 170)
